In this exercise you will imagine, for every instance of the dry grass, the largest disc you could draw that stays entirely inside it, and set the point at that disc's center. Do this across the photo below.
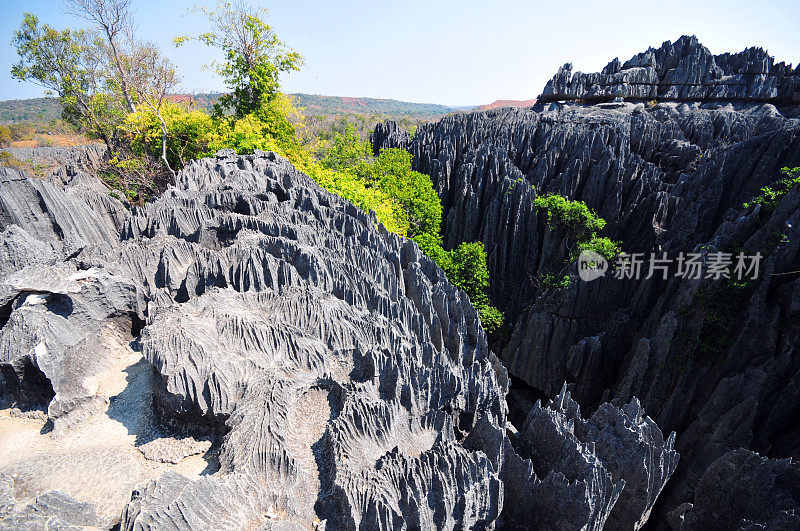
(52, 139)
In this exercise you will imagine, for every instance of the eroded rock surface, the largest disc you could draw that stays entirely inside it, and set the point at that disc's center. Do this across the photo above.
(323, 369)
(606, 470)
(51, 510)
(713, 361)
(742, 490)
(78, 158)
(683, 70)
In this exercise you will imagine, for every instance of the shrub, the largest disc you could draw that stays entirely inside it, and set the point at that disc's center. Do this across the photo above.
(770, 196)
(413, 210)
(553, 280)
(392, 173)
(581, 226)
(9, 160)
(417, 211)
(466, 268)
(5, 136)
(188, 139)
(605, 247)
(572, 216)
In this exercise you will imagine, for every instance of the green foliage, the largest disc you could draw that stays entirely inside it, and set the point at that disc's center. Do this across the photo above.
(770, 196)
(417, 210)
(71, 64)
(21, 131)
(469, 272)
(39, 110)
(466, 268)
(254, 58)
(414, 211)
(573, 216)
(717, 308)
(605, 247)
(189, 133)
(776, 237)
(139, 179)
(392, 173)
(581, 226)
(254, 115)
(346, 150)
(554, 280)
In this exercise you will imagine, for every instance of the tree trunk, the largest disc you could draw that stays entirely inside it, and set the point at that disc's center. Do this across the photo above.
(164, 134)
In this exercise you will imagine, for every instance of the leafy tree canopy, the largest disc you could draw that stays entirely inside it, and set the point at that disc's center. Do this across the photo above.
(72, 65)
(254, 57)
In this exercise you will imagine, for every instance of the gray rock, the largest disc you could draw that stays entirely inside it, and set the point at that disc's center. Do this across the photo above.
(52, 510)
(172, 450)
(669, 178)
(742, 490)
(86, 158)
(606, 471)
(347, 383)
(64, 326)
(47, 214)
(353, 369)
(683, 70)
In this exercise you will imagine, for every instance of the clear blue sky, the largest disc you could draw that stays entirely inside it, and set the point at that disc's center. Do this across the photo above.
(451, 52)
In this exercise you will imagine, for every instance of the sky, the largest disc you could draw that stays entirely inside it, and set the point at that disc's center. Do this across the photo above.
(449, 52)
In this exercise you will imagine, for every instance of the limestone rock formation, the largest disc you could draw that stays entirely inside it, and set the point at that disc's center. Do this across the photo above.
(51, 510)
(742, 490)
(79, 158)
(713, 361)
(683, 70)
(322, 369)
(604, 472)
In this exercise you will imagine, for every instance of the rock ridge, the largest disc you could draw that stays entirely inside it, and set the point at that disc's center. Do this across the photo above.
(683, 70)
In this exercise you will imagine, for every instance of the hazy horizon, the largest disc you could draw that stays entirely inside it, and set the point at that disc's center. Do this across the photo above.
(458, 54)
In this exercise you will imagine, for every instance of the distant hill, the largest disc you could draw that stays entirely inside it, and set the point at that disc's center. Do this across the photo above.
(32, 110)
(505, 103)
(335, 105)
(47, 109)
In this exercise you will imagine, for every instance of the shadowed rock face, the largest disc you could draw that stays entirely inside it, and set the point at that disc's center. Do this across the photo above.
(604, 470)
(716, 364)
(742, 490)
(683, 70)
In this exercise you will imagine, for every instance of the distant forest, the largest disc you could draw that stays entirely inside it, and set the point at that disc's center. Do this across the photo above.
(43, 110)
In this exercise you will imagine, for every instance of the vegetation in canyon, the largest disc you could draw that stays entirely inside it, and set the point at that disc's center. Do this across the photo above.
(581, 227)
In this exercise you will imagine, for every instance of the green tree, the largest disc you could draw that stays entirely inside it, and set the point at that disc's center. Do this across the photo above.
(101, 75)
(581, 227)
(70, 64)
(392, 173)
(346, 150)
(769, 196)
(468, 270)
(113, 21)
(254, 58)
